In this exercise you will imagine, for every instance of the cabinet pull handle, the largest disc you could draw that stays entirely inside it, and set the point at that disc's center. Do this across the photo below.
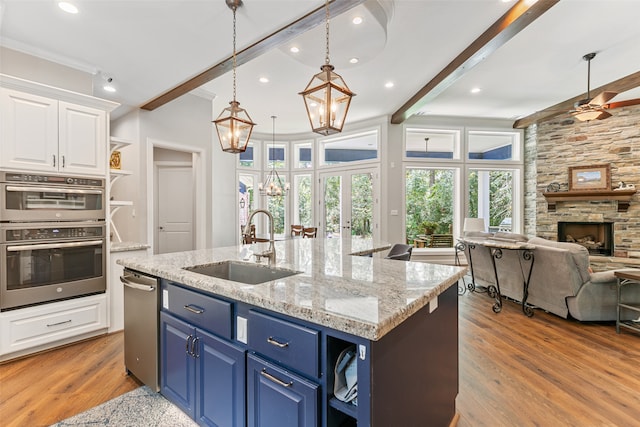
(54, 160)
(275, 342)
(278, 381)
(58, 323)
(187, 347)
(194, 347)
(63, 163)
(194, 309)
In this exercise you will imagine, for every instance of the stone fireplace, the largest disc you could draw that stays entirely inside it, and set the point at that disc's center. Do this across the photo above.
(597, 237)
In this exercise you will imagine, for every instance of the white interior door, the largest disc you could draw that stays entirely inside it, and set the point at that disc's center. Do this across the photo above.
(350, 203)
(175, 209)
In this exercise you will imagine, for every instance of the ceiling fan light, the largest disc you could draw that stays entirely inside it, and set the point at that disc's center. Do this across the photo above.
(588, 115)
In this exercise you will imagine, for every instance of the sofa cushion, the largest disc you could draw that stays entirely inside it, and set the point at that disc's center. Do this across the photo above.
(579, 254)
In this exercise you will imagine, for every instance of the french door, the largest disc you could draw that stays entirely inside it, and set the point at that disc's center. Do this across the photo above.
(349, 203)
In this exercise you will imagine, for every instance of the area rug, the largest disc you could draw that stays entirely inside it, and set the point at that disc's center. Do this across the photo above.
(138, 408)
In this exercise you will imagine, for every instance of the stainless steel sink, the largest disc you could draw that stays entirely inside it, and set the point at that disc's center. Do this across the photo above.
(242, 272)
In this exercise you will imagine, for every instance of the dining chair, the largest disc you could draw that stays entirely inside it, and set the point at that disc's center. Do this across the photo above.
(310, 232)
(296, 230)
(251, 237)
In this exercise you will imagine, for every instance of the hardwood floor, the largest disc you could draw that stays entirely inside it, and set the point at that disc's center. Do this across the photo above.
(514, 371)
(544, 370)
(49, 387)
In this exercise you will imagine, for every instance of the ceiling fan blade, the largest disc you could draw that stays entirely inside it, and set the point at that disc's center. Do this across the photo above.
(603, 98)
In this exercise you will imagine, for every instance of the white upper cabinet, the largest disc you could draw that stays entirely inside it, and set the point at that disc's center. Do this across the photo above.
(45, 129)
(29, 131)
(82, 143)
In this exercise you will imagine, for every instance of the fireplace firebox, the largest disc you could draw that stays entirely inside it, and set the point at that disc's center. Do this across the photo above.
(597, 237)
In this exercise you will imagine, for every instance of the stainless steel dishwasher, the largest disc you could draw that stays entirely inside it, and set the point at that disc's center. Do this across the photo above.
(141, 305)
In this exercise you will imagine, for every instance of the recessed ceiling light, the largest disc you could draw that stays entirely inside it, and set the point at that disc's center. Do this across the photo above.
(354, 60)
(68, 7)
(264, 80)
(389, 84)
(294, 49)
(357, 20)
(109, 88)
(476, 90)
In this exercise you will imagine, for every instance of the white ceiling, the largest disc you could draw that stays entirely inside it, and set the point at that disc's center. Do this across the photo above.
(151, 46)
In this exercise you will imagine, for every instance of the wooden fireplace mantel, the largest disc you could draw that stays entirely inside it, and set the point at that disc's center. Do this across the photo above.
(623, 197)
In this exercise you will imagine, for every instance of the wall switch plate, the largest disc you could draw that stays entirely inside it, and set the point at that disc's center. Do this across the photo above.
(165, 299)
(241, 329)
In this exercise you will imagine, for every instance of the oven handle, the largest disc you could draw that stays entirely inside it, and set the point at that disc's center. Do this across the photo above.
(53, 245)
(53, 190)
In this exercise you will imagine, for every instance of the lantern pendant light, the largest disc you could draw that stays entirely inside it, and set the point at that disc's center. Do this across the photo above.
(327, 96)
(274, 185)
(234, 125)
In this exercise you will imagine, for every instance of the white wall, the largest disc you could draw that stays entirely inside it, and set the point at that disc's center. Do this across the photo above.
(185, 121)
(29, 67)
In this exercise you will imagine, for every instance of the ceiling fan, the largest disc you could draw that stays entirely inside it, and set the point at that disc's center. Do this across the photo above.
(592, 108)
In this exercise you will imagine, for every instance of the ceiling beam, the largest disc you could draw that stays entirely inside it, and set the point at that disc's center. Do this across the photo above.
(273, 40)
(621, 85)
(511, 23)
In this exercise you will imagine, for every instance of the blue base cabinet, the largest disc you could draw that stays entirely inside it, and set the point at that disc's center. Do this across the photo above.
(276, 397)
(202, 374)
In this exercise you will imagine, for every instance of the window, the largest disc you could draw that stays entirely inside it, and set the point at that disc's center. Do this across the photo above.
(248, 158)
(491, 196)
(429, 203)
(276, 155)
(302, 155)
(353, 148)
(277, 206)
(302, 200)
(437, 196)
(432, 144)
(495, 146)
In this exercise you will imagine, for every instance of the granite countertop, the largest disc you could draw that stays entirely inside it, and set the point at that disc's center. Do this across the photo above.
(366, 296)
(128, 246)
(500, 243)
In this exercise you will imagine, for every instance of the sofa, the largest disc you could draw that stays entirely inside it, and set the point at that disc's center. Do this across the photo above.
(561, 281)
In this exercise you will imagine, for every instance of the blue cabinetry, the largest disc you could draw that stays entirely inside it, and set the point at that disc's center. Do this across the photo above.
(276, 397)
(202, 374)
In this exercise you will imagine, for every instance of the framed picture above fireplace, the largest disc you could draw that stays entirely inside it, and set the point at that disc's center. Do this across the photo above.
(592, 177)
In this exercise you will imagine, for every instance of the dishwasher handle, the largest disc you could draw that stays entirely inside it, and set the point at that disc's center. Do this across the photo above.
(139, 286)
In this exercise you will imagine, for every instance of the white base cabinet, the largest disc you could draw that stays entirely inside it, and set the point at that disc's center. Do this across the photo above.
(44, 326)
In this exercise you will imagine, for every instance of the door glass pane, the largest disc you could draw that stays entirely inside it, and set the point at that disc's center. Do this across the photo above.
(302, 212)
(332, 206)
(491, 197)
(361, 204)
(429, 204)
(246, 198)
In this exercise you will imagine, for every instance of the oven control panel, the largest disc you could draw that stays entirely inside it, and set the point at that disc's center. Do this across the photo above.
(52, 233)
(50, 179)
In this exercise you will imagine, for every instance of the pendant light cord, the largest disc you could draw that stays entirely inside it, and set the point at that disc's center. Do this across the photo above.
(326, 9)
(234, 53)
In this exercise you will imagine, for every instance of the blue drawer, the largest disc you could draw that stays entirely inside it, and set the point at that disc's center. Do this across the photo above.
(203, 311)
(289, 344)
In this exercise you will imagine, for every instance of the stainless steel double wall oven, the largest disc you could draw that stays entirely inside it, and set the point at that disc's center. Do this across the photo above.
(52, 238)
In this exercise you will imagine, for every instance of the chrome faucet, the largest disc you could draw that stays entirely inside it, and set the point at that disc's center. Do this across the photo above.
(270, 253)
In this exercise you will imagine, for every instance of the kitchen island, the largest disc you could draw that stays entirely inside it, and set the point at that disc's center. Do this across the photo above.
(285, 336)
